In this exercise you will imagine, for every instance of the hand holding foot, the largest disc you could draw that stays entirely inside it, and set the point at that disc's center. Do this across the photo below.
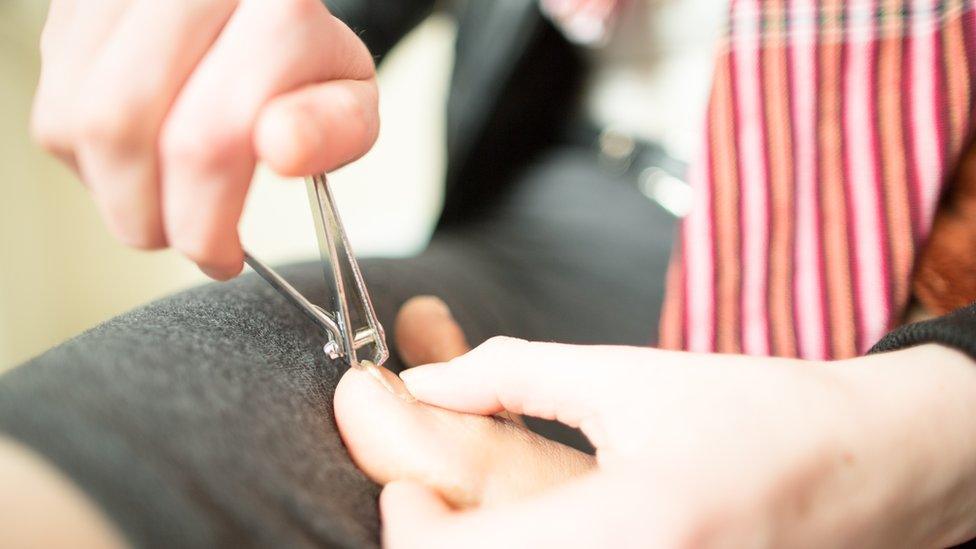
(715, 450)
(470, 460)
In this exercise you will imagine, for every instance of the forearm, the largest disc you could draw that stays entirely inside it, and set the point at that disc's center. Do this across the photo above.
(915, 449)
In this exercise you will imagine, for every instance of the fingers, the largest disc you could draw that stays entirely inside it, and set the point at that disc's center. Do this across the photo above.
(426, 332)
(267, 49)
(72, 36)
(552, 381)
(124, 102)
(574, 514)
(318, 128)
(156, 104)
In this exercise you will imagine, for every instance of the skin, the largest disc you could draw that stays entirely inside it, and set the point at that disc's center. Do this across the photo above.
(693, 450)
(164, 108)
(472, 460)
(40, 507)
(702, 450)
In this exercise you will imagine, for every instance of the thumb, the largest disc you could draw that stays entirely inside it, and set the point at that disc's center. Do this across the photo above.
(318, 128)
(547, 380)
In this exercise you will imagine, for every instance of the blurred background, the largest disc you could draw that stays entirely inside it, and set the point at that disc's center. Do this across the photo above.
(61, 273)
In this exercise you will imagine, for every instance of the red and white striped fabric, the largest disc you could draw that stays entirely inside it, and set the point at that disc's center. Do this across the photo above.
(831, 130)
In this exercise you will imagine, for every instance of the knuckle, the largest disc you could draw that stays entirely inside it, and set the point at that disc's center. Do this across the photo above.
(299, 10)
(146, 240)
(196, 147)
(134, 235)
(49, 127)
(108, 124)
(47, 132)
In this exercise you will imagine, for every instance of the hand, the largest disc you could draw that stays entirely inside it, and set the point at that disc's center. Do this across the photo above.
(164, 108)
(715, 450)
(470, 460)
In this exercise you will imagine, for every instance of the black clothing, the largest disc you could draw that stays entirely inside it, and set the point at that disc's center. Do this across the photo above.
(206, 418)
(514, 85)
(956, 329)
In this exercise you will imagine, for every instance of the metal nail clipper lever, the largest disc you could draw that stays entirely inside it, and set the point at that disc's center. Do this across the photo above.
(348, 320)
(353, 311)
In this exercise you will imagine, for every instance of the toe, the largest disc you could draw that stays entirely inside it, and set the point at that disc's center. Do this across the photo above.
(469, 460)
(391, 439)
(426, 332)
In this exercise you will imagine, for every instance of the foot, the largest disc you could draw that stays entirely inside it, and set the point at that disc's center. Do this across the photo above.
(470, 460)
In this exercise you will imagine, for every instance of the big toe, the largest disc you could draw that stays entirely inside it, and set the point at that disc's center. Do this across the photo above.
(393, 439)
(469, 459)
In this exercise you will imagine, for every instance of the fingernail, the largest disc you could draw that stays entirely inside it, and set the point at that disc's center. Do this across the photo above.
(388, 380)
(442, 307)
(215, 272)
(222, 272)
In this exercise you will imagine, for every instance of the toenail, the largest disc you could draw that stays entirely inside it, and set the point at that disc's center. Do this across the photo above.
(388, 380)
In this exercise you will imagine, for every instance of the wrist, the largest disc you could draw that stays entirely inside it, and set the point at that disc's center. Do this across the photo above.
(912, 446)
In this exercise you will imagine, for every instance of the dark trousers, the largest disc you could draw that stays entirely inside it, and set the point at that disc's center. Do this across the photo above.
(206, 418)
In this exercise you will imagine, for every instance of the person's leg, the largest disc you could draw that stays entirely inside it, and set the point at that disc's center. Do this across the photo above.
(206, 417)
(580, 253)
